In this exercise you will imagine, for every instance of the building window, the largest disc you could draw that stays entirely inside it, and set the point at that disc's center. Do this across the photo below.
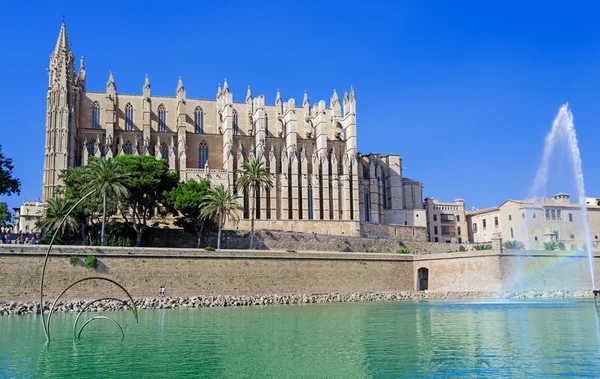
(533, 216)
(457, 218)
(91, 149)
(547, 214)
(202, 154)
(570, 217)
(128, 148)
(199, 121)
(509, 218)
(96, 115)
(596, 237)
(383, 191)
(366, 205)
(164, 151)
(474, 228)
(523, 215)
(435, 231)
(129, 117)
(446, 218)
(266, 124)
(434, 217)
(512, 235)
(458, 230)
(310, 202)
(535, 238)
(436, 239)
(162, 118)
(558, 214)
(553, 212)
(484, 223)
(495, 221)
(235, 123)
(572, 236)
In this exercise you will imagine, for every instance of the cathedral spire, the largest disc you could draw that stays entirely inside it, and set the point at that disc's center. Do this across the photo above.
(111, 88)
(62, 44)
(278, 97)
(305, 99)
(146, 88)
(62, 67)
(248, 94)
(225, 85)
(179, 84)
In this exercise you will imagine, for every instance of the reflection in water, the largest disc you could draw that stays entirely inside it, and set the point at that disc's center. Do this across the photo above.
(375, 340)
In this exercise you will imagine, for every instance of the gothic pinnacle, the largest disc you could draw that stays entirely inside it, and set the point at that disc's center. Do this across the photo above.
(111, 78)
(225, 86)
(180, 84)
(305, 100)
(248, 94)
(146, 82)
(278, 97)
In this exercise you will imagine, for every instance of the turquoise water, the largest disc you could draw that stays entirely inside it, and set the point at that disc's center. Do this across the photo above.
(355, 340)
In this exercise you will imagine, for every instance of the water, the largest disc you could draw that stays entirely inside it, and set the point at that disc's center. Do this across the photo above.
(563, 132)
(354, 340)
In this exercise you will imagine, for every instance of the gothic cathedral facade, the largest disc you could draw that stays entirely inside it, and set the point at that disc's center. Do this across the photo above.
(310, 149)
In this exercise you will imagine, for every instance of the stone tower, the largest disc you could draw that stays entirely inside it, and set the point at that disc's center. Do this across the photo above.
(60, 117)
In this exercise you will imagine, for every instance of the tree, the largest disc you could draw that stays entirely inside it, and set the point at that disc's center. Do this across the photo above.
(513, 245)
(57, 208)
(149, 182)
(254, 176)
(186, 199)
(8, 184)
(5, 215)
(108, 178)
(221, 205)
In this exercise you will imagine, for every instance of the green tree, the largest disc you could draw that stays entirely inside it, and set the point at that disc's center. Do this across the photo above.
(149, 182)
(513, 245)
(253, 177)
(57, 208)
(186, 199)
(551, 246)
(5, 215)
(108, 178)
(8, 184)
(221, 205)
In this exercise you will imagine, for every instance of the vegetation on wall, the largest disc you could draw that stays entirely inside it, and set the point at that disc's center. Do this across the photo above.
(482, 247)
(90, 262)
(513, 245)
(550, 246)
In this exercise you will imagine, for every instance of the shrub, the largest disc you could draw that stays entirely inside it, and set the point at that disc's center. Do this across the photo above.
(561, 246)
(550, 246)
(209, 248)
(90, 262)
(513, 245)
(403, 251)
(46, 240)
(73, 259)
(290, 250)
(462, 248)
(482, 247)
(371, 250)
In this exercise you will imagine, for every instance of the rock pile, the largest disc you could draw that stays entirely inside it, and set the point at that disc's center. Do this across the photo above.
(24, 308)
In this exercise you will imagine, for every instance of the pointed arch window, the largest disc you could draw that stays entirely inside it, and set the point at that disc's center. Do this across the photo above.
(367, 210)
(164, 151)
(266, 125)
(383, 191)
(128, 148)
(310, 202)
(129, 117)
(96, 115)
(202, 154)
(235, 123)
(162, 118)
(199, 121)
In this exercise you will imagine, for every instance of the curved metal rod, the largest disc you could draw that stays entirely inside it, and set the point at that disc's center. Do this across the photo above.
(100, 318)
(95, 301)
(46, 262)
(75, 283)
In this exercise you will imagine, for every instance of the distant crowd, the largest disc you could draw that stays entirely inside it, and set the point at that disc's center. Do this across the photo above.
(21, 239)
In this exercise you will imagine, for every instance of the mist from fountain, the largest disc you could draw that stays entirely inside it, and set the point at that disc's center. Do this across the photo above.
(563, 131)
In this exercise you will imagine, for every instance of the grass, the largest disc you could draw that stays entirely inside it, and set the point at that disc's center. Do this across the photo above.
(371, 250)
(290, 250)
(90, 262)
(403, 251)
(209, 248)
(73, 259)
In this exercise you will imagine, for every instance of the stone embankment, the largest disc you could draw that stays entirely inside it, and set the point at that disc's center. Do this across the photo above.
(24, 308)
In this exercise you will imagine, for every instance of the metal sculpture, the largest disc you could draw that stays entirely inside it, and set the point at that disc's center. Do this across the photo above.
(124, 303)
(46, 323)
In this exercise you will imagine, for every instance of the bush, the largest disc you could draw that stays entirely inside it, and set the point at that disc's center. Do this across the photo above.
(73, 259)
(403, 251)
(46, 240)
(371, 250)
(561, 246)
(209, 248)
(90, 262)
(482, 247)
(550, 246)
(513, 245)
(290, 250)
(461, 249)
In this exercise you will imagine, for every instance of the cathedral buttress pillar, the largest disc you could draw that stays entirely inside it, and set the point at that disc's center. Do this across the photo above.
(181, 130)
(147, 109)
(316, 187)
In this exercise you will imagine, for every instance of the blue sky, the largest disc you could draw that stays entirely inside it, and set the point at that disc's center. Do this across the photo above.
(464, 91)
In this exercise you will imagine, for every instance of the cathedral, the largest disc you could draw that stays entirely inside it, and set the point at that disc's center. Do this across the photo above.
(310, 148)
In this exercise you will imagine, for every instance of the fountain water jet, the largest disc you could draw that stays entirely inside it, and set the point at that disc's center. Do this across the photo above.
(563, 129)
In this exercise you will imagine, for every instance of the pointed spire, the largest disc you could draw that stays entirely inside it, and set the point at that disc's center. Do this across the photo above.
(146, 82)
(351, 93)
(111, 78)
(219, 91)
(146, 88)
(62, 44)
(111, 88)
(81, 64)
(179, 84)
(248, 94)
(345, 97)
(305, 99)
(278, 97)
(335, 97)
(225, 86)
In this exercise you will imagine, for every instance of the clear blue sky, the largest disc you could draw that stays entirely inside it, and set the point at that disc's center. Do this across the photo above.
(464, 91)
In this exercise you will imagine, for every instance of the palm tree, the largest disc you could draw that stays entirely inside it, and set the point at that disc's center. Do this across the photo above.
(513, 245)
(254, 176)
(108, 178)
(551, 245)
(220, 204)
(56, 210)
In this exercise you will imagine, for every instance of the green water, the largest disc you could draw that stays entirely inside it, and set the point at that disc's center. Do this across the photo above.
(360, 340)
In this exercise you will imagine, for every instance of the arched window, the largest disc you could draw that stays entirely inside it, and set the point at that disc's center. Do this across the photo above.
(91, 149)
(128, 148)
(235, 123)
(164, 151)
(198, 121)
(202, 154)
(383, 191)
(310, 202)
(96, 115)
(266, 125)
(367, 206)
(162, 118)
(129, 117)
